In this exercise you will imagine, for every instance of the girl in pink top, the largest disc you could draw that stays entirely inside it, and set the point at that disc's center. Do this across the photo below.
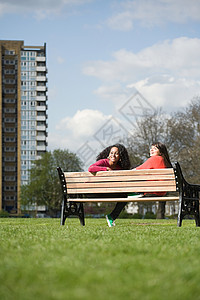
(114, 157)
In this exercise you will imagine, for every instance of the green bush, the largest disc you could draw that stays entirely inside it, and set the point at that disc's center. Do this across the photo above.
(125, 215)
(4, 214)
(137, 216)
(149, 215)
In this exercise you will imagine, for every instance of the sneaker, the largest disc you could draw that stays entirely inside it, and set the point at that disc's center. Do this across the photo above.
(110, 221)
(135, 195)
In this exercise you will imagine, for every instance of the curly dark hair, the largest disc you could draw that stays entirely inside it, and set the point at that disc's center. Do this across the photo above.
(123, 162)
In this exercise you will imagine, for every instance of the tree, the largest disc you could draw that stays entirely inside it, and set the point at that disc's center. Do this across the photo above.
(44, 185)
(180, 132)
(184, 138)
(151, 128)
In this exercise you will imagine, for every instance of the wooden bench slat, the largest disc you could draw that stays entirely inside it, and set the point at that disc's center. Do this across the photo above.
(120, 184)
(122, 190)
(119, 173)
(120, 178)
(144, 199)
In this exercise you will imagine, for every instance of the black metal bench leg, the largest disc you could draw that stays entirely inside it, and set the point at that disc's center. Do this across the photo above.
(179, 223)
(196, 217)
(180, 216)
(72, 209)
(63, 218)
(197, 221)
(81, 214)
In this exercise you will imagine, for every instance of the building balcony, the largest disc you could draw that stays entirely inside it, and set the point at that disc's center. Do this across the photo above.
(41, 108)
(41, 68)
(41, 138)
(41, 148)
(41, 98)
(41, 88)
(41, 128)
(40, 58)
(41, 118)
(41, 78)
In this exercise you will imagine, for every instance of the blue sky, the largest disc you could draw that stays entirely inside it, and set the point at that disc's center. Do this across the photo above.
(101, 53)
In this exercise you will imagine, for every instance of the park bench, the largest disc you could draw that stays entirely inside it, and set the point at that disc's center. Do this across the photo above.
(83, 187)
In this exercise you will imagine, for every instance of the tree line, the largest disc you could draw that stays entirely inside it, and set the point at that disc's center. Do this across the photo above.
(179, 131)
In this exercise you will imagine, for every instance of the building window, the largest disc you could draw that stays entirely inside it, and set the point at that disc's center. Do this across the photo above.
(9, 139)
(9, 52)
(9, 71)
(10, 178)
(9, 149)
(9, 188)
(9, 158)
(9, 91)
(9, 110)
(9, 62)
(9, 120)
(7, 100)
(9, 129)
(9, 81)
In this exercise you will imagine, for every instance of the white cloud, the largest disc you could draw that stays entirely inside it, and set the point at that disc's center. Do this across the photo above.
(88, 130)
(40, 8)
(60, 60)
(167, 91)
(167, 73)
(153, 13)
(122, 21)
(111, 91)
(72, 132)
(83, 123)
(117, 94)
(179, 56)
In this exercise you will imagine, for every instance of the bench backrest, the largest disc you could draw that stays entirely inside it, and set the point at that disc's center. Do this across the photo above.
(153, 180)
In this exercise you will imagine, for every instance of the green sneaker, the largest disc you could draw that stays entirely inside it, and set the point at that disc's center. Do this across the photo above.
(110, 221)
(135, 195)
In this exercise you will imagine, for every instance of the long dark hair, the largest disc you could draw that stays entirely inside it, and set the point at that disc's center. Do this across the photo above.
(124, 161)
(164, 153)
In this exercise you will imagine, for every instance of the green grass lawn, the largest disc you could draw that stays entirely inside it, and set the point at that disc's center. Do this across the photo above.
(137, 259)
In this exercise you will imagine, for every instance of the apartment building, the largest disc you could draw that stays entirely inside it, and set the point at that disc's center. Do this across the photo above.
(23, 116)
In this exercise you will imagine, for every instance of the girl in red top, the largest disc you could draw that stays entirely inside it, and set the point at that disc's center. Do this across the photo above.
(159, 159)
